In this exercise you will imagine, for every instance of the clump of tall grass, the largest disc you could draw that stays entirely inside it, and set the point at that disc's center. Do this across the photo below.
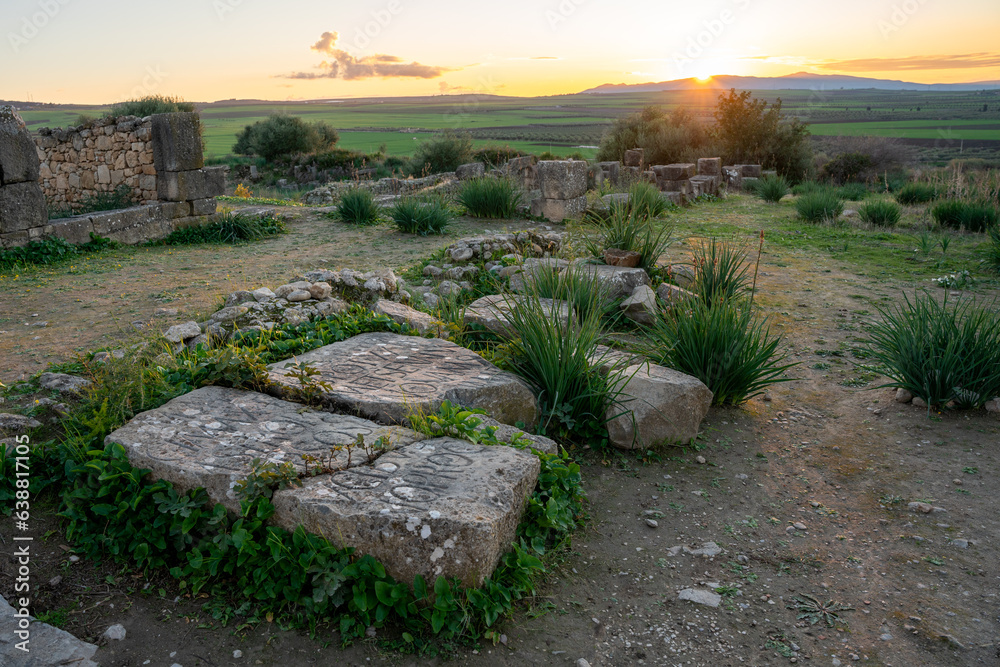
(585, 292)
(358, 206)
(233, 227)
(993, 250)
(771, 188)
(645, 201)
(819, 206)
(721, 270)
(490, 198)
(622, 229)
(853, 191)
(939, 352)
(916, 193)
(413, 216)
(971, 216)
(555, 358)
(881, 212)
(722, 343)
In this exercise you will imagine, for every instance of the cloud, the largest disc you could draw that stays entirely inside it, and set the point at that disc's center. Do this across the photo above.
(964, 61)
(352, 68)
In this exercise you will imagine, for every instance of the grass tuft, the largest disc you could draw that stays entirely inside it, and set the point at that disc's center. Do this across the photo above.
(357, 206)
(882, 212)
(496, 198)
(771, 188)
(819, 206)
(970, 216)
(916, 193)
(414, 216)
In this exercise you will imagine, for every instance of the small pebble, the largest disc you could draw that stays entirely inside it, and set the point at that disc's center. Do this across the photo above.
(700, 460)
(237, 654)
(651, 523)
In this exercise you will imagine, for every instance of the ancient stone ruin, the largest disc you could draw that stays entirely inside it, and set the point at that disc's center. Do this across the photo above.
(158, 159)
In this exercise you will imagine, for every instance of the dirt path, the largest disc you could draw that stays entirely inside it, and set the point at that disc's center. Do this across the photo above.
(842, 460)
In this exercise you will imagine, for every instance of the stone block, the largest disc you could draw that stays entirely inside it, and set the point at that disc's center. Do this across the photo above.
(634, 158)
(177, 142)
(660, 405)
(209, 438)
(386, 377)
(522, 170)
(672, 295)
(18, 153)
(107, 222)
(612, 170)
(215, 181)
(619, 281)
(182, 185)
(471, 170)
(47, 645)
(750, 170)
(557, 210)
(204, 206)
(704, 185)
(22, 207)
(641, 306)
(710, 166)
(401, 314)
(676, 198)
(178, 209)
(73, 230)
(683, 187)
(441, 507)
(675, 172)
(561, 179)
(492, 312)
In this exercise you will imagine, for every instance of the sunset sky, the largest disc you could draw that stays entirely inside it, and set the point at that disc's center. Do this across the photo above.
(100, 51)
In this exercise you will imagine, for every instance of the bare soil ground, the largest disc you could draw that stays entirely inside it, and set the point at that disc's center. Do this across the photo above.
(840, 459)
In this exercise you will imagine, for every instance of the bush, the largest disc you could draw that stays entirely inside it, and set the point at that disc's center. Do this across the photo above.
(149, 105)
(939, 353)
(623, 230)
(50, 251)
(233, 227)
(555, 358)
(721, 271)
(280, 136)
(771, 188)
(665, 139)
(490, 198)
(443, 152)
(358, 206)
(496, 156)
(720, 343)
(883, 213)
(413, 216)
(993, 249)
(818, 206)
(853, 191)
(916, 193)
(848, 167)
(971, 216)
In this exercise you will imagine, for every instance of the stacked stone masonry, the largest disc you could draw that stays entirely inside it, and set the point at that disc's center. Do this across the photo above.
(158, 158)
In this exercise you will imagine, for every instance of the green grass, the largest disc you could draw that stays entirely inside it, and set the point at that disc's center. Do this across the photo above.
(916, 193)
(232, 227)
(488, 197)
(415, 216)
(819, 206)
(771, 188)
(883, 213)
(357, 206)
(970, 216)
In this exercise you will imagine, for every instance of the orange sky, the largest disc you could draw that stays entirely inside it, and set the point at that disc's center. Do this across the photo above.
(106, 50)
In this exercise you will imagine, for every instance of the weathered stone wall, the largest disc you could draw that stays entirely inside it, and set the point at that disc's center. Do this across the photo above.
(22, 204)
(83, 161)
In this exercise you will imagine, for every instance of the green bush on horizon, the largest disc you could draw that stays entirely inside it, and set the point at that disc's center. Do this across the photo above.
(149, 105)
(281, 135)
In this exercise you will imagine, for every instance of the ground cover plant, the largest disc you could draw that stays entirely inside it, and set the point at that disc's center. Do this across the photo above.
(971, 216)
(771, 188)
(232, 227)
(50, 251)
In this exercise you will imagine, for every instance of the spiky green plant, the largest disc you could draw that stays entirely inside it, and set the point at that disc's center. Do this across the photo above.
(622, 230)
(721, 270)
(422, 217)
(881, 212)
(721, 343)
(586, 292)
(819, 206)
(357, 206)
(490, 198)
(939, 352)
(771, 188)
(993, 249)
(971, 216)
(916, 193)
(853, 191)
(645, 201)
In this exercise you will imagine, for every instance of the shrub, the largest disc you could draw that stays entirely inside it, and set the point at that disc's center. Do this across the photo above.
(971, 216)
(490, 197)
(50, 251)
(646, 201)
(883, 213)
(993, 249)
(721, 271)
(938, 352)
(554, 357)
(622, 230)
(280, 136)
(818, 206)
(496, 156)
(413, 216)
(847, 167)
(916, 193)
(358, 206)
(722, 344)
(853, 191)
(149, 105)
(664, 138)
(233, 227)
(771, 188)
(443, 152)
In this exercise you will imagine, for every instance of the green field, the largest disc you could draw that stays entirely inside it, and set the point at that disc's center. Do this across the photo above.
(562, 124)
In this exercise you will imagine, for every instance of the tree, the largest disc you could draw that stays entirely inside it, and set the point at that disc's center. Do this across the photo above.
(281, 135)
(750, 132)
(664, 138)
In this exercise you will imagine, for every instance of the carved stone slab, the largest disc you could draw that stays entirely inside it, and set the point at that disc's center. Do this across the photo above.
(210, 437)
(492, 312)
(438, 507)
(385, 377)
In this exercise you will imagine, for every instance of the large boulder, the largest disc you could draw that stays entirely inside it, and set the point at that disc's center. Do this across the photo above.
(561, 179)
(641, 306)
(493, 312)
(469, 171)
(18, 155)
(658, 405)
(210, 437)
(48, 646)
(619, 281)
(441, 507)
(387, 377)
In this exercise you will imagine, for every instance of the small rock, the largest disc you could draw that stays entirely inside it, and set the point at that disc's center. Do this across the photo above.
(885, 636)
(237, 654)
(165, 312)
(318, 291)
(700, 460)
(582, 663)
(263, 294)
(767, 398)
(651, 523)
(903, 396)
(299, 295)
(919, 402)
(961, 544)
(707, 550)
(115, 633)
(55, 581)
(742, 559)
(700, 596)
(798, 525)
(180, 332)
(16, 424)
(63, 383)
(239, 297)
(993, 406)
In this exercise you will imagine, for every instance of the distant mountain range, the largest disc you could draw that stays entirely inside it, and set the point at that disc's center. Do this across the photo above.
(797, 81)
